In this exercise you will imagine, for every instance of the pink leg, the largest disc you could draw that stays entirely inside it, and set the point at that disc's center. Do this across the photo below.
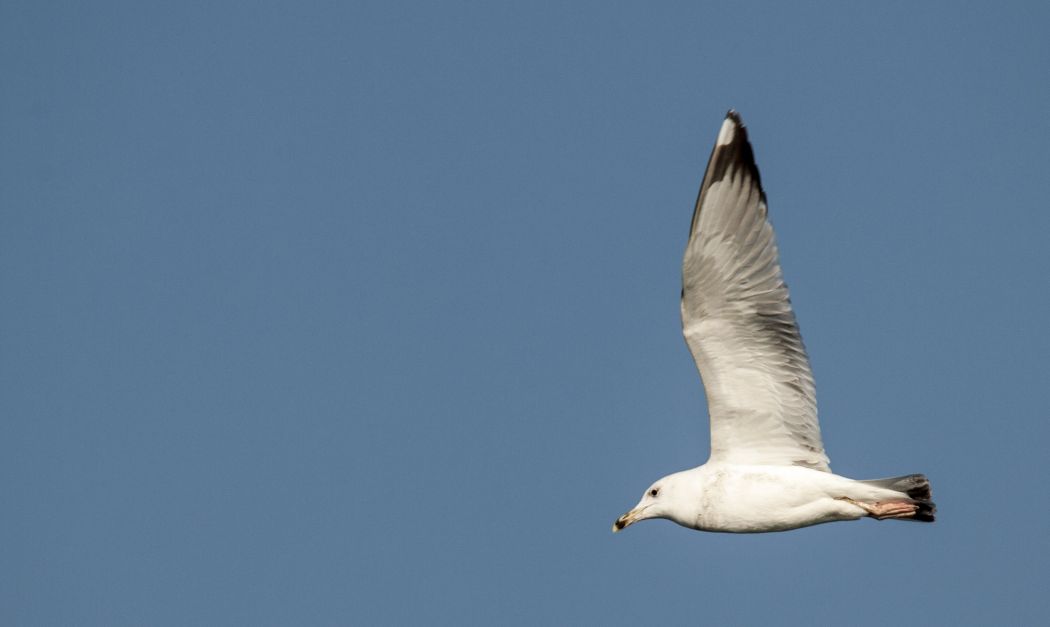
(895, 508)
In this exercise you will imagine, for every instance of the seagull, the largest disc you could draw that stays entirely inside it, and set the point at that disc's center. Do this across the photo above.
(767, 470)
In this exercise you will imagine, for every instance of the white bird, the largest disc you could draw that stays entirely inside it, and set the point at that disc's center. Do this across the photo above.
(767, 470)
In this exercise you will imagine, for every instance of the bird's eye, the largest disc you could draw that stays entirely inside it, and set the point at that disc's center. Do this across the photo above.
(654, 491)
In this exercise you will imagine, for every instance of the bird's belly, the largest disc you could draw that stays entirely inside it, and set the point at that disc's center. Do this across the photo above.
(761, 501)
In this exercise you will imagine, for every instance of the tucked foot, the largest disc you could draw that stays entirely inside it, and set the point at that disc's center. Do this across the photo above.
(881, 510)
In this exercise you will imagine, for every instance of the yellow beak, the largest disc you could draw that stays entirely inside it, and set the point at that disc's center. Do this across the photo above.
(627, 520)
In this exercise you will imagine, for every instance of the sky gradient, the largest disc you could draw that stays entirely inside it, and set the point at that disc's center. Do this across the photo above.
(351, 313)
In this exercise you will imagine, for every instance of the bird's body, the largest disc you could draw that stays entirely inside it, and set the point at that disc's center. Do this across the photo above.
(767, 470)
(742, 498)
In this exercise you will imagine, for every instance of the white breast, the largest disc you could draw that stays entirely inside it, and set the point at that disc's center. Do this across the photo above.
(753, 499)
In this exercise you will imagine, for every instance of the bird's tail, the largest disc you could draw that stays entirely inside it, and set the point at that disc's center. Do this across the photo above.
(916, 506)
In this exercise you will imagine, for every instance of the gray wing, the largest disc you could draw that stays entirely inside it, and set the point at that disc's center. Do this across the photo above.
(738, 323)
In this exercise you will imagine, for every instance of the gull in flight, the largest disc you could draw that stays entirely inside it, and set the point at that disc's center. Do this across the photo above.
(767, 470)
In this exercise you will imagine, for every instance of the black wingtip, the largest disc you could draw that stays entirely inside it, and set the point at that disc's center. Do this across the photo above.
(733, 149)
(733, 130)
(732, 153)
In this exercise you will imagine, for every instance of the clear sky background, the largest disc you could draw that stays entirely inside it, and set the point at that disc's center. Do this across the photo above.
(340, 313)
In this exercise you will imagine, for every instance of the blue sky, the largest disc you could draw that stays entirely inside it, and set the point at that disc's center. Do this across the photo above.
(367, 312)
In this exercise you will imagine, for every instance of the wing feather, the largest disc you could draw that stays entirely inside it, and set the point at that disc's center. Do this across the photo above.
(738, 322)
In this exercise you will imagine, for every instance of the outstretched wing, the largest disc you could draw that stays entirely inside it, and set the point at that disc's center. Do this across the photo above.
(738, 322)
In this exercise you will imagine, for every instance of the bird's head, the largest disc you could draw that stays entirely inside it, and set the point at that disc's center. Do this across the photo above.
(674, 497)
